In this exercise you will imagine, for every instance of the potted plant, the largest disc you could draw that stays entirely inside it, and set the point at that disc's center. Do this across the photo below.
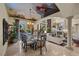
(14, 34)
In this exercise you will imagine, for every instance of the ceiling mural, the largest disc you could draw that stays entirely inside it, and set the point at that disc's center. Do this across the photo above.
(45, 9)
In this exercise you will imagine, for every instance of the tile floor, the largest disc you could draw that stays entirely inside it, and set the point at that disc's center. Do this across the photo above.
(52, 50)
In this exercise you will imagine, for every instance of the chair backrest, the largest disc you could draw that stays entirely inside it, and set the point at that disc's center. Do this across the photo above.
(24, 37)
(44, 40)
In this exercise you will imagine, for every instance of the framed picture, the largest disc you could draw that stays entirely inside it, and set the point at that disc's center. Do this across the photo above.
(5, 31)
(48, 25)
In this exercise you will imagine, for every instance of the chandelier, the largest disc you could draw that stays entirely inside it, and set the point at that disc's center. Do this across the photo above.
(31, 18)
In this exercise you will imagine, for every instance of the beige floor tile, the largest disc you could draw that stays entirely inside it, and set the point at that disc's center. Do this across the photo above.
(52, 50)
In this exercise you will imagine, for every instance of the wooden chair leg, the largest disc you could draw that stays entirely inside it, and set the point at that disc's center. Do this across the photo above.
(46, 48)
(25, 45)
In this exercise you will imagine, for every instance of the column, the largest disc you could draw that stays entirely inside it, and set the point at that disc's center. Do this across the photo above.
(69, 39)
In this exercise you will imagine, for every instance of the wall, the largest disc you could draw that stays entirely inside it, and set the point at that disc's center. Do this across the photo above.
(11, 20)
(3, 14)
(75, 20)
(58, 19)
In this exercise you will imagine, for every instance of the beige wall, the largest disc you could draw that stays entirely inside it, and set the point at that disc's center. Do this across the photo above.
(58, 19)
(74, 28)
(11, 20)
(3, 14)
